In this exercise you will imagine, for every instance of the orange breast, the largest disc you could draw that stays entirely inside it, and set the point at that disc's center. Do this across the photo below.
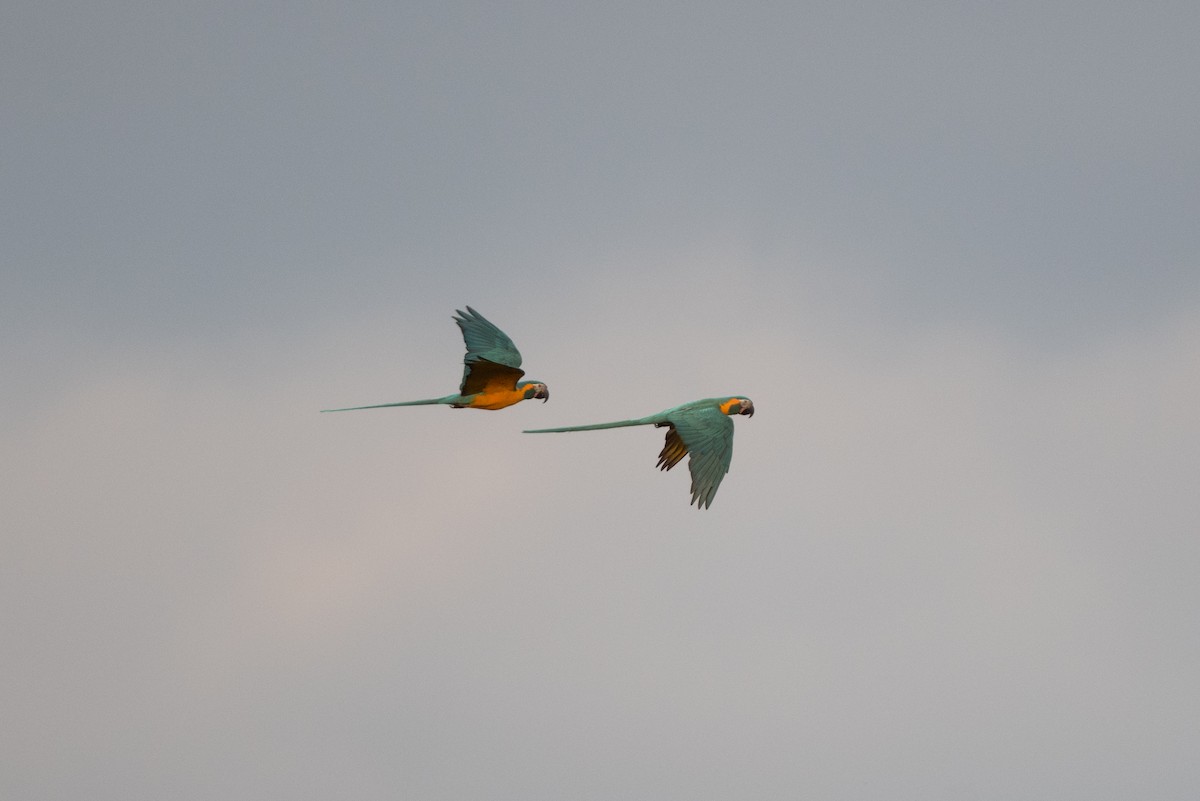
(496, 398)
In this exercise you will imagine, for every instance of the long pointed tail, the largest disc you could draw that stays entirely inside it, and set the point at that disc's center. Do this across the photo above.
(641, 421)
(426, 402)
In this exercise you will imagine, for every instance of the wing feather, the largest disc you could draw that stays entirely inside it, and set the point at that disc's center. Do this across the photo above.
(707, 434)
(492, 359)
(672, 451)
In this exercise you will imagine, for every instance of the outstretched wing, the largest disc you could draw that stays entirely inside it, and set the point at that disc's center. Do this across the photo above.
(707, 434)
(492, 359)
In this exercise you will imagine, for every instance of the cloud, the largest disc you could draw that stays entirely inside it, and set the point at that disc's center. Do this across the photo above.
(956, 547)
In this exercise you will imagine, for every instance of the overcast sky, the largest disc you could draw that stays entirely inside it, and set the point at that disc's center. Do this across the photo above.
(951, 251)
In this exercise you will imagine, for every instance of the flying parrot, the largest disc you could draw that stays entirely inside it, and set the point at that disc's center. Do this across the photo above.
(491, 371)
(702, 427)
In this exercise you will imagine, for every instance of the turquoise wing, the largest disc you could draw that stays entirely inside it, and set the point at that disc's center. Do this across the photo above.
(707, 435)
(491, 355)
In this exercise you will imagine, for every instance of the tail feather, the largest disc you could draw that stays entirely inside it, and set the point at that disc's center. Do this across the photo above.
(641, 421)
(426, 402)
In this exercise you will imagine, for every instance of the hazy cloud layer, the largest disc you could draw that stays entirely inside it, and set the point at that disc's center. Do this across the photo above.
(951, 254)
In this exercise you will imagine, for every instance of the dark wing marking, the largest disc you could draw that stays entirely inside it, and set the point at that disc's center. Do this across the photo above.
(707, 434)
(482, 375)
(672, 451)
(491, 356)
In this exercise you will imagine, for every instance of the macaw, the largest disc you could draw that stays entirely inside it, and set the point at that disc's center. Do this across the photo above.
(702, 427)
(491, 371)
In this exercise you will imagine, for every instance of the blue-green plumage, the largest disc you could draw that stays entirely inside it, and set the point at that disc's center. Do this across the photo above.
(491, 371)
(449, 400)
(702, 428)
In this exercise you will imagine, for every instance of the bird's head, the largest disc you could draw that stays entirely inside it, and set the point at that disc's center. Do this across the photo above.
(535, 389)
(738, 405)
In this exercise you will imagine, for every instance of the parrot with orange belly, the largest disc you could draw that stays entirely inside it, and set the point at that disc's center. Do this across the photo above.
(703, 428)
(491, 371)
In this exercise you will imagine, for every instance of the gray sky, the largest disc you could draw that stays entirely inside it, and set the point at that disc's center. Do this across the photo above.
(951, 252)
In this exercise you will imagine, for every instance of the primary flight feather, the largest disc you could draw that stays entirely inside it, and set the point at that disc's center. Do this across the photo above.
(702, 428)
(491, 371)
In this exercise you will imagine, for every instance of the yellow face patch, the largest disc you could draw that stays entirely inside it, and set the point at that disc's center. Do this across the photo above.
(727, 406)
